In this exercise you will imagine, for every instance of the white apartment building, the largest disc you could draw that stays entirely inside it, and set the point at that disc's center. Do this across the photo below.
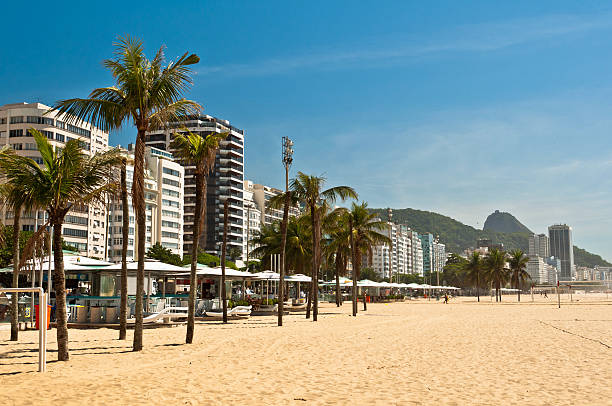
(401, 257)
(417, 253)
(261, 195)
(539, 246)
(252, 222)
(164, 194)
(537, 268)
(84, 226)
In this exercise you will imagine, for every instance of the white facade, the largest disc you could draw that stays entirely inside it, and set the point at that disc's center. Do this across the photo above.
(402, 257)
(164, 194)
(84, 226)
(538, 246)
(538, 270)
(252, 219)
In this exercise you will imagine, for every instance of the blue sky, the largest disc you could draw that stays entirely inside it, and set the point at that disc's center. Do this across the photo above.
(455, 107)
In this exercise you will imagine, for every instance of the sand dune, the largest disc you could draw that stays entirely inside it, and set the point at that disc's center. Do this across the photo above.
(415, 352)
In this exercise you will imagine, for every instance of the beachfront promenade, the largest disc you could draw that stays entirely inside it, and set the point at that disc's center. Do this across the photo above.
(415, 352)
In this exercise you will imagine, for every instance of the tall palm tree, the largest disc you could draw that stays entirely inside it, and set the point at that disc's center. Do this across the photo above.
(365, 233)
(518, 274)
(308, 190)
(16, 200)
(67, 178)
(496, 271)
(149, 95)
(199, 151)
(473, 269)
(337, 247)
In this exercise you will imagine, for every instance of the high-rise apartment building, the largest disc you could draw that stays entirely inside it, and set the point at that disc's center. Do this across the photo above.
(252, 216)
(225, 182)
(417, 253)
(84, 226)
(562, 248)
(164, 196)
(538, 246)
(261, 197)
(434, 256)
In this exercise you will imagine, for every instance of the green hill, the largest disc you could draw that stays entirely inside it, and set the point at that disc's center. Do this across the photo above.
(505, 223)
(458, 236)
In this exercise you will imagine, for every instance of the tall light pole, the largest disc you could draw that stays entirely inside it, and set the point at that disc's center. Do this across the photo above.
(287, 154)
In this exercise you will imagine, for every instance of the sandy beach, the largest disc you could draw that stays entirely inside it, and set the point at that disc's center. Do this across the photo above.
(413, 352)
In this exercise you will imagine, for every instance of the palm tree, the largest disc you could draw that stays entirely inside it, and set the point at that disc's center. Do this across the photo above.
(67, 178)
(308, 190)
(16, 200)
(199, 151)
(364, 228)
(337, 247)
(150, 95)
(473, 268)
(518, 263)
(496, 271)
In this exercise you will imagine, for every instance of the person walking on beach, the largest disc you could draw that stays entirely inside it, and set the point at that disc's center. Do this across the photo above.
(446, 298)
(545, 295)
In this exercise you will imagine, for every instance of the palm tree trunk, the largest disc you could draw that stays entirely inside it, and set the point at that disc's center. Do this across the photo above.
(223, 253)
(124, 247)
(283, 258)
(59, 282)
(478, 286)
(338, 263)
(315, 263)
(354, 261)
(139, 208)
(194, 258)
(308, 300)
(14, 297)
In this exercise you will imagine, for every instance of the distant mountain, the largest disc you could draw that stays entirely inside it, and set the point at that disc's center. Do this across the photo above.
(504, 223)
(458, 236)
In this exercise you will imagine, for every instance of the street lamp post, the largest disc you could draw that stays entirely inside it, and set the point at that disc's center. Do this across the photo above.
(287, 157)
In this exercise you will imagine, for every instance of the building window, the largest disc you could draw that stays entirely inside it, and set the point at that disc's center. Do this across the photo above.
(171, 182)
(15, 133)
(172, 172)
(17, 147)
(73, 232)
(170, 224)
(169, 213)
(170, 245)
(170, 203)
(168, 234)
(59, 137)
(168, 192)
(16, 119)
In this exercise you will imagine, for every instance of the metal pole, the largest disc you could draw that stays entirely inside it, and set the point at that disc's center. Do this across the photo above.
(42, 315)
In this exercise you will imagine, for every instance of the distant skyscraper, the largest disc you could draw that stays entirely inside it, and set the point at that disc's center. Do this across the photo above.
(539, 246)
(562, 248)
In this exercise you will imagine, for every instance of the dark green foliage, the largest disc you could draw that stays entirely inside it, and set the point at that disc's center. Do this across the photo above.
(505, 223)
(585, 258)
(68, 247)
(369, 273)
(6, 248)
(408, 278)
(164, 254)
(458, 236)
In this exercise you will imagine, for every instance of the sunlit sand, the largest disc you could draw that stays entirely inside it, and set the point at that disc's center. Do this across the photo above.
(417, 352)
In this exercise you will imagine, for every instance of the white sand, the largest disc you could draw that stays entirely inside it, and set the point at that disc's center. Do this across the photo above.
(415, 352)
